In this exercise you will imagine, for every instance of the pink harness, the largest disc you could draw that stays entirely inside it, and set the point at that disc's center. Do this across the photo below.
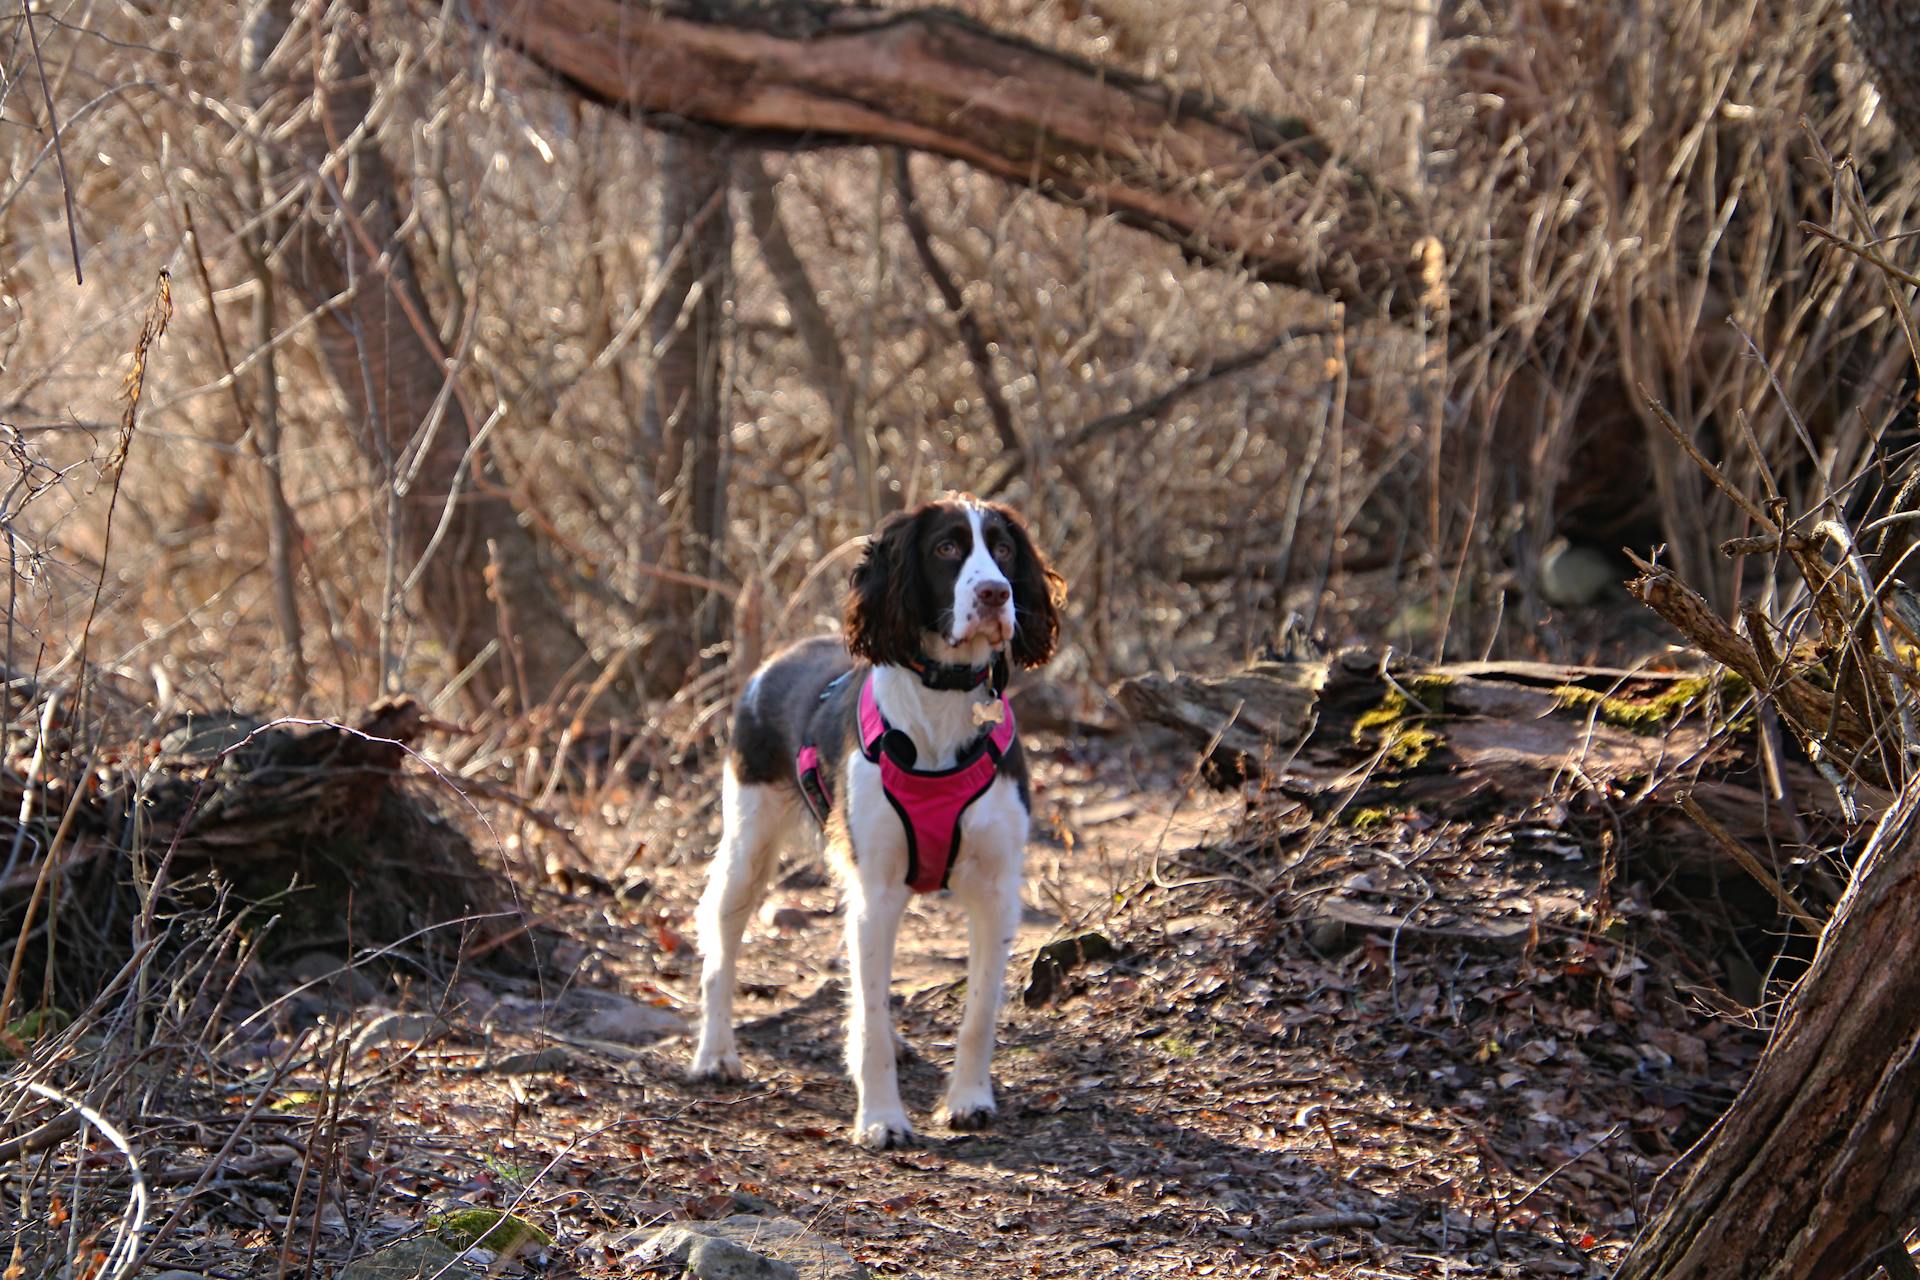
(930, 802)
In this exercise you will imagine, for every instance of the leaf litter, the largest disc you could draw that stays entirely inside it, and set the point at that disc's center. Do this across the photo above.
(1425, 1048)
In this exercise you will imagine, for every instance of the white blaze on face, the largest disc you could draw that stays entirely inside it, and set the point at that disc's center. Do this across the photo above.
(980, 570)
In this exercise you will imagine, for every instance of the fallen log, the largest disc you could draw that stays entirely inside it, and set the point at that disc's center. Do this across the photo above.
(1356, 739)
(1516, 727)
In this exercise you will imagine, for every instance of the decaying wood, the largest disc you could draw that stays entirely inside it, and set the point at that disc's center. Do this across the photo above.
(1267, 707)
(307, 815)
(1263, 193)
(1517, 728)
(1347, 736)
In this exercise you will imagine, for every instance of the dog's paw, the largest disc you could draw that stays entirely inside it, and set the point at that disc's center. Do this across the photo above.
(967, 1112)
(881, 1134)
(718, 1067)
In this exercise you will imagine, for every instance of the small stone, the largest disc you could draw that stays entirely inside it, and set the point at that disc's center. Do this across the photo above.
(1574, 575)
(1327, 936)
(713, 1258)
(414, 1259)
(395, 1028)
(532, 1063)
(790, 919)
(810, 1257)
(631, 1022)
(330, 980)
(477, 1002)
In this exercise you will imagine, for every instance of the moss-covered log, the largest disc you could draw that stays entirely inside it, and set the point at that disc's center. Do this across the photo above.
(1360, 741)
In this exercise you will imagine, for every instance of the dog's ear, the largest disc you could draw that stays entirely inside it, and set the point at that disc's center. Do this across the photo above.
(1038, 595)
(882, 616)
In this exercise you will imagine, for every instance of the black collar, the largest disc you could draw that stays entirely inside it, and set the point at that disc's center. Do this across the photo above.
(958, 677)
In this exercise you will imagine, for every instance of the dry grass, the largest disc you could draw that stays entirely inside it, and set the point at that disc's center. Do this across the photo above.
(1679, 210)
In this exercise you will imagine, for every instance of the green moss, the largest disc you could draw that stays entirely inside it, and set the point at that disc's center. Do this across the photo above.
(1370, 819)
(1412, 746)
(1430, 688)
(508, 1169)
(488, 1229)
(1398, 720)
(1650, 715)
(1179, 1046)
(27, 1028)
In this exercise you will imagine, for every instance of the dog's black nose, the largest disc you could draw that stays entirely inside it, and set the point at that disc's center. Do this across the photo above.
(991, 595)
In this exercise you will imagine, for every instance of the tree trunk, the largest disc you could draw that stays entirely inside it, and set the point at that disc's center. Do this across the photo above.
(1815, 1170)
(1888, 33)
(828, 359)
(683, 427)
(480, 586)
(1226, 185)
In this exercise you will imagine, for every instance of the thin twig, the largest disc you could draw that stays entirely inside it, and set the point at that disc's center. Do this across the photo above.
(59, 151)
(1748, 863)
(972, 336)
(121, 1257)
(1720, 482)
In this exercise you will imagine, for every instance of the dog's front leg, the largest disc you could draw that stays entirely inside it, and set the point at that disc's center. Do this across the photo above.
(873, 923)
(993, 917)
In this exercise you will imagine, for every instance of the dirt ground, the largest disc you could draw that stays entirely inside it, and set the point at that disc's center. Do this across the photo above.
(1422, 1049)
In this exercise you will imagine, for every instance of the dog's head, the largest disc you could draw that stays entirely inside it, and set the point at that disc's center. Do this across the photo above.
(953, 579)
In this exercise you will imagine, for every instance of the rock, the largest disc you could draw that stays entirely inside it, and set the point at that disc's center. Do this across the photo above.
(1053, 962)
(747, 1202)
(789, 919)
(330, 981)
(477, 1001)
(716, 1258)
(1575, 575)
(395, 1028)
(628, 1021)
(1327, 936)
(772, 1241)
(502, 1233)
(532, 1063)
(414, 1259)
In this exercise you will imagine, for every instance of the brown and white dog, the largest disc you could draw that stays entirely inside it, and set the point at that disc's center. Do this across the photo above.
(901, 742)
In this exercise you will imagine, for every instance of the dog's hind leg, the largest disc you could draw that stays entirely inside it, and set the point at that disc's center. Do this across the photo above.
(755, 820)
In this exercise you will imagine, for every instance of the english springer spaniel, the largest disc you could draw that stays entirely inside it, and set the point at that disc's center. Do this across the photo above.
(905, 751)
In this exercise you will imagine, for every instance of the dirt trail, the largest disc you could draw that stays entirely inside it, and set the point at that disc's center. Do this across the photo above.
(1243, 1090)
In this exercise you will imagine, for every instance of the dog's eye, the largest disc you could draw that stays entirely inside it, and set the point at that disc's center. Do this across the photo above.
(1003, 551)
(947, 549)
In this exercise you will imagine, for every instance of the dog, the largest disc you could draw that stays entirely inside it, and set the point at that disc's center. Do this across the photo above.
(900, 741)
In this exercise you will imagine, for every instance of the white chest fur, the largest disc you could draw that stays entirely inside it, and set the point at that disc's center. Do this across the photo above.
(940, 721)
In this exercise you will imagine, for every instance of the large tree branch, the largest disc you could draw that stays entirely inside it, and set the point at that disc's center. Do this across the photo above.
(1227, 186)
